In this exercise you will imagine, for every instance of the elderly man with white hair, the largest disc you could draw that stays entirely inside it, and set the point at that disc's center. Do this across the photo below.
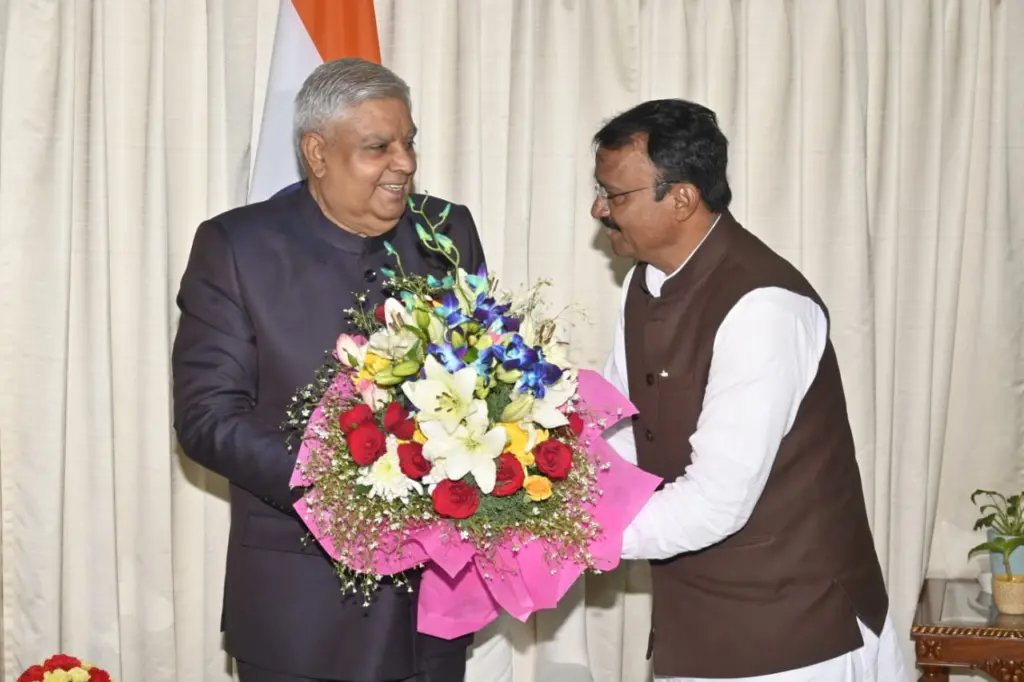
(261, 300)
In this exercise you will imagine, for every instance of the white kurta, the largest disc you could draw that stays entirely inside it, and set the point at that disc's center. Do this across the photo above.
(766, 354)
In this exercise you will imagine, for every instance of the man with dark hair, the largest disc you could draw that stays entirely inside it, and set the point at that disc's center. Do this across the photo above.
(761, 554)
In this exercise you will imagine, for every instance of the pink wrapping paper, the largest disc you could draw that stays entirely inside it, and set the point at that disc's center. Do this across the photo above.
(460, 593)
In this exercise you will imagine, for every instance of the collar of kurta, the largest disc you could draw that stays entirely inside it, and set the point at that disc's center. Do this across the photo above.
(701, 263)
(314, 219)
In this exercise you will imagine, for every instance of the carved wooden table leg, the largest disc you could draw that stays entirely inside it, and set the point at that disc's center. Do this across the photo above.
(934, 673)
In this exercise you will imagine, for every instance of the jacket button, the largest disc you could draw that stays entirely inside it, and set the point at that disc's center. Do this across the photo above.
(649, 435)
(370, 275)
(650, 379)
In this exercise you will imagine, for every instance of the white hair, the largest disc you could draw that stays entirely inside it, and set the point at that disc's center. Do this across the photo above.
(336, 86)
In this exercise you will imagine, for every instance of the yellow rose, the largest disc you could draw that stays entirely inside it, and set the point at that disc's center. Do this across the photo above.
(538, 488)
(57, 676)
(526, 459)
(79, 675)
(375, 363)
(372, 364)
(516, 438)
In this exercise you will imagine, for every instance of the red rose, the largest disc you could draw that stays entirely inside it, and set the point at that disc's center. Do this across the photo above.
(33, 674)
(554, 459)
(378, 314)
(412, 462)
(353, 418)
(455, 499)
(396, 421)
(510, 475)
(97, 675)
(60, 662)
(366, 444)
(576, 423)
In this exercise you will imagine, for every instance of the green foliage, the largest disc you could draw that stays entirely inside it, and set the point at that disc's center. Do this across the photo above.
(1000, 545)
(1004, 515)
(499, 396)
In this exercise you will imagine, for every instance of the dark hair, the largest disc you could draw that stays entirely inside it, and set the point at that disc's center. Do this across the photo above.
(684, 143)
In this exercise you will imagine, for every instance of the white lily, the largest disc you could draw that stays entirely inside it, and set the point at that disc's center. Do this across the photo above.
(385, 478)
(395, 340)
(472, 449)
(438, 473)
(546, 410)
(442, 397)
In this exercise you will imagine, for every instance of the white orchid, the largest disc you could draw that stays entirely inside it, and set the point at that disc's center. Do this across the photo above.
(545, 411)
(554, 349)
(385, 478)
(471, 449)
(396, 339)
(441, 396)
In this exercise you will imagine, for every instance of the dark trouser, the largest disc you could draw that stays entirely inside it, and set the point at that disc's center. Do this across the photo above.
(443, 668)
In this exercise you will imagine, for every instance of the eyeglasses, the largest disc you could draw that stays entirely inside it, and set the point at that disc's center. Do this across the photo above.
(605, 198)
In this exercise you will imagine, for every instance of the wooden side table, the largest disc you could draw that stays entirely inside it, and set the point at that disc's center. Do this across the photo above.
(956, 627)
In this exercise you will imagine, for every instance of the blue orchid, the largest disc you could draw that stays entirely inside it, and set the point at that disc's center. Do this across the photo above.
(450, 357)
(537, 372)
(539, 376)
(450, 311)
(488, 311)
(480, 283)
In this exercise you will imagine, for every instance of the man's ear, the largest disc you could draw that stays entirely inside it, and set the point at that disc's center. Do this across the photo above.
(313, 146)
(685, 200)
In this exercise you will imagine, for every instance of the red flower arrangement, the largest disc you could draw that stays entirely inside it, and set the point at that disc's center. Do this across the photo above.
(64, 668)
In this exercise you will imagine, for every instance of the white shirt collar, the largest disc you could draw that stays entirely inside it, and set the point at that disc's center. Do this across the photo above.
(656, 279)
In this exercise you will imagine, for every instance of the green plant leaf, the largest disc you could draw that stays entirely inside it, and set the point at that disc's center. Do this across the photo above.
(984, 522)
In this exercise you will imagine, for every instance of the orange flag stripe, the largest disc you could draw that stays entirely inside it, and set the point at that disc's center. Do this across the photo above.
(341, 28)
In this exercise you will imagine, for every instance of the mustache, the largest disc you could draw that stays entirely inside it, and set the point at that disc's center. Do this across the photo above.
(609, 223)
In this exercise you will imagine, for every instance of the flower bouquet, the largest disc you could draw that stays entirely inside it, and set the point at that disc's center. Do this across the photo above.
(454, 434)
(63, 668)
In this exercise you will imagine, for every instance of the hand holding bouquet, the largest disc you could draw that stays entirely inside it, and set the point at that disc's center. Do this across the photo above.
(453, 432)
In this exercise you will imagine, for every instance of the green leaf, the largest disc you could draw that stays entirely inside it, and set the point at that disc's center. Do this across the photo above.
(406, 368)
(390, 249)
(983, 547)
(497, 400)
(444, 213)
(984, 522)
(424, 236)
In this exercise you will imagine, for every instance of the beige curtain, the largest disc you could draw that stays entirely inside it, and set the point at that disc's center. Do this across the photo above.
(876, 144)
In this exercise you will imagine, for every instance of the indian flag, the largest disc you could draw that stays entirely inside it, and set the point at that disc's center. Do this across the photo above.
(309, 33)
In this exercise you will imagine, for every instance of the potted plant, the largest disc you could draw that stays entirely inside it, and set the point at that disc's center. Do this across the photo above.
(1007, 589)
(1001, 517)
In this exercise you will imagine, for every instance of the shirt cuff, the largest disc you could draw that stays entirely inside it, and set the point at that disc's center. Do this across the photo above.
(631, 544)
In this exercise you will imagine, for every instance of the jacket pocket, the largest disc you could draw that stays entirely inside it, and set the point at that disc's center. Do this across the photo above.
(278, 533)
